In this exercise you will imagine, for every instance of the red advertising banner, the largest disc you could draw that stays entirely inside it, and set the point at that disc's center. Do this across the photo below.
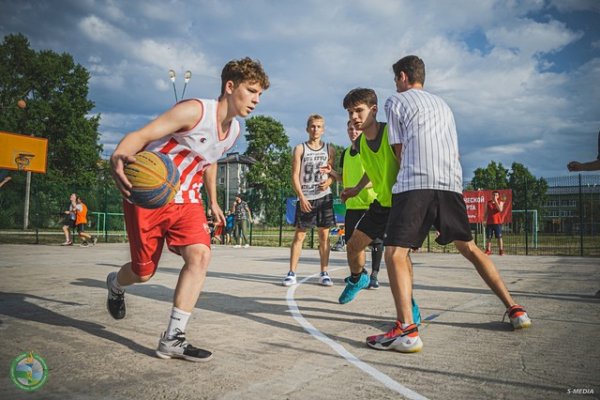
(476, 202)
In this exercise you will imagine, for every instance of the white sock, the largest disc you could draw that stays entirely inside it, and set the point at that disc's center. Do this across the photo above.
(404, 326)
(178, 320)
(114, 284)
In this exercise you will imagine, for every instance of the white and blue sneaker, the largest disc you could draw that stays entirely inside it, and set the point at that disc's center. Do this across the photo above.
(290, 279)
(324, 279)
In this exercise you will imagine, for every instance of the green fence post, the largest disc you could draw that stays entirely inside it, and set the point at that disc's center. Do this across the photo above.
(526, 221)
(250, 241)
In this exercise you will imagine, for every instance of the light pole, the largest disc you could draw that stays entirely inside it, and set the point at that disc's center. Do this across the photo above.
(186, 78)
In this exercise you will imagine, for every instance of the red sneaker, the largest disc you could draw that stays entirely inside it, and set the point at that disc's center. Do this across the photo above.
(402, 340)
(488, 252)
(501, 252)
(518, 317)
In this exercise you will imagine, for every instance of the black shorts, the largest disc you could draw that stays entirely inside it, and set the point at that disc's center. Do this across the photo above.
(321, 215)
(414, 212)
(80, 228)
(493, 229)
(374, 220)
(69, 222)
(350, 220)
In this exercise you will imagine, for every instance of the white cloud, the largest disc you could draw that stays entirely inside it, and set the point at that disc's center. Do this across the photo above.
(531, 38)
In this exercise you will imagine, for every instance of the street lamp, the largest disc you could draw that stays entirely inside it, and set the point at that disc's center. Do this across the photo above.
(186, 77)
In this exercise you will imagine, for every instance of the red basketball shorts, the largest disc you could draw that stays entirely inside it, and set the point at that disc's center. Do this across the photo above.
(180, 224)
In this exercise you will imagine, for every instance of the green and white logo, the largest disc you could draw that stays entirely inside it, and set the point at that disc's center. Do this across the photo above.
(29, 371)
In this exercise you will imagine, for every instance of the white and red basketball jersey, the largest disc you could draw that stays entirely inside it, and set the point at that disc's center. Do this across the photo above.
(194, 150)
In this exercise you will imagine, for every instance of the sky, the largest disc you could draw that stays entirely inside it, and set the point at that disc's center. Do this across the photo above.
(522, 77)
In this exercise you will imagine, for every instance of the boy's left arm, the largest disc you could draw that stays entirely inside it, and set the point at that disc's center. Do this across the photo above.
(210, 185)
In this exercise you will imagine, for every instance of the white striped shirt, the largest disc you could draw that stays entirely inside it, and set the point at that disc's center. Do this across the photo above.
(193, 151)
(424, 125)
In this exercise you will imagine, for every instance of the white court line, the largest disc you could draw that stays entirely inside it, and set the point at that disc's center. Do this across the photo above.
(375, 373)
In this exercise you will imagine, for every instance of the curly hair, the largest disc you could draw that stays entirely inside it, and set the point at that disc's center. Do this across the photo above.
(244, 70)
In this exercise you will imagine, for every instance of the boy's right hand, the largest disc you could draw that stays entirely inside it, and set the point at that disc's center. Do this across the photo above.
(305, 205)
(117, 165)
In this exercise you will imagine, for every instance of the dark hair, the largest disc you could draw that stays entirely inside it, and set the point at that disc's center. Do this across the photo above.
(495, 191)
(360, 96)
(244, 70)
(413, 67)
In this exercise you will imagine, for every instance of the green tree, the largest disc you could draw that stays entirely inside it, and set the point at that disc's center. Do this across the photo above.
(494, 176)
(518, 179)
(528, 191)
(269, 177)
(55, 89)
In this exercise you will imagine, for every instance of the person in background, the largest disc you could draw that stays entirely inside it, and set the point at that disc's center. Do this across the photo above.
(242, 219)
(81, 221)
(314, 207)
(493, 226)
(69, 219)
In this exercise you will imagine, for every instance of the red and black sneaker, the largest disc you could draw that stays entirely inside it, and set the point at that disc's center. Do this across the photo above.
(403, 340)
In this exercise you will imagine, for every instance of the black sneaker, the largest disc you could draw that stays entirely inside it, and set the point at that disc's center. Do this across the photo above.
(178, 347)
(115, 303)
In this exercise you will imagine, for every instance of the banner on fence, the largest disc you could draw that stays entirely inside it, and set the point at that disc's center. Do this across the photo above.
(477, 200)
(339, 209)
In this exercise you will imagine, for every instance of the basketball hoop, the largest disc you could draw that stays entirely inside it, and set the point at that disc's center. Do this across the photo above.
(23, 160)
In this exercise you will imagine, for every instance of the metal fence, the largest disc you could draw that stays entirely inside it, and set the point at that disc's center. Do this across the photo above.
(566, 222)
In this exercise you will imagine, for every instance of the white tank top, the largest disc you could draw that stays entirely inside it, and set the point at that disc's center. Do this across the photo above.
(310, 176)
(193, 151)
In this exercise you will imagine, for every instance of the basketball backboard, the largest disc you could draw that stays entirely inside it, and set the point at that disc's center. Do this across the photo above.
(23, 152)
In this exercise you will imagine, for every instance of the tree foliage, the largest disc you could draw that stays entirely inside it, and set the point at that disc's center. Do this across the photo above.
(268, 178)
(55, 89)
(529, 192)
(494, 176)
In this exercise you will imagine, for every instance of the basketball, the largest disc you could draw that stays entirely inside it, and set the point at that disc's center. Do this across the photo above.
(154, 179)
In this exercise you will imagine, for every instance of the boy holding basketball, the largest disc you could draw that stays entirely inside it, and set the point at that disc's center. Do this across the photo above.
(194, 134)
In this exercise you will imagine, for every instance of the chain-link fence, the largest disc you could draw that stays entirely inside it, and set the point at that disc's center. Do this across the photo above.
(565, 222)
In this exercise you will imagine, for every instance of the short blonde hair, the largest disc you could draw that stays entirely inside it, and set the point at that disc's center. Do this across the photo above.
(313, 117)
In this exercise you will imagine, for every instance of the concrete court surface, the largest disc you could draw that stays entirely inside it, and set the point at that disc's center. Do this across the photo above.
(52, 302)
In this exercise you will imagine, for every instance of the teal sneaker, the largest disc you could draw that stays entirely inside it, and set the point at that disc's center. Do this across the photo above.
(416, 313)
(352, 289)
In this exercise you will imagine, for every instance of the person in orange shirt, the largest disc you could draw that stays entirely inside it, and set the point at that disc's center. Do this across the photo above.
(493, 226)
(81, 221)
